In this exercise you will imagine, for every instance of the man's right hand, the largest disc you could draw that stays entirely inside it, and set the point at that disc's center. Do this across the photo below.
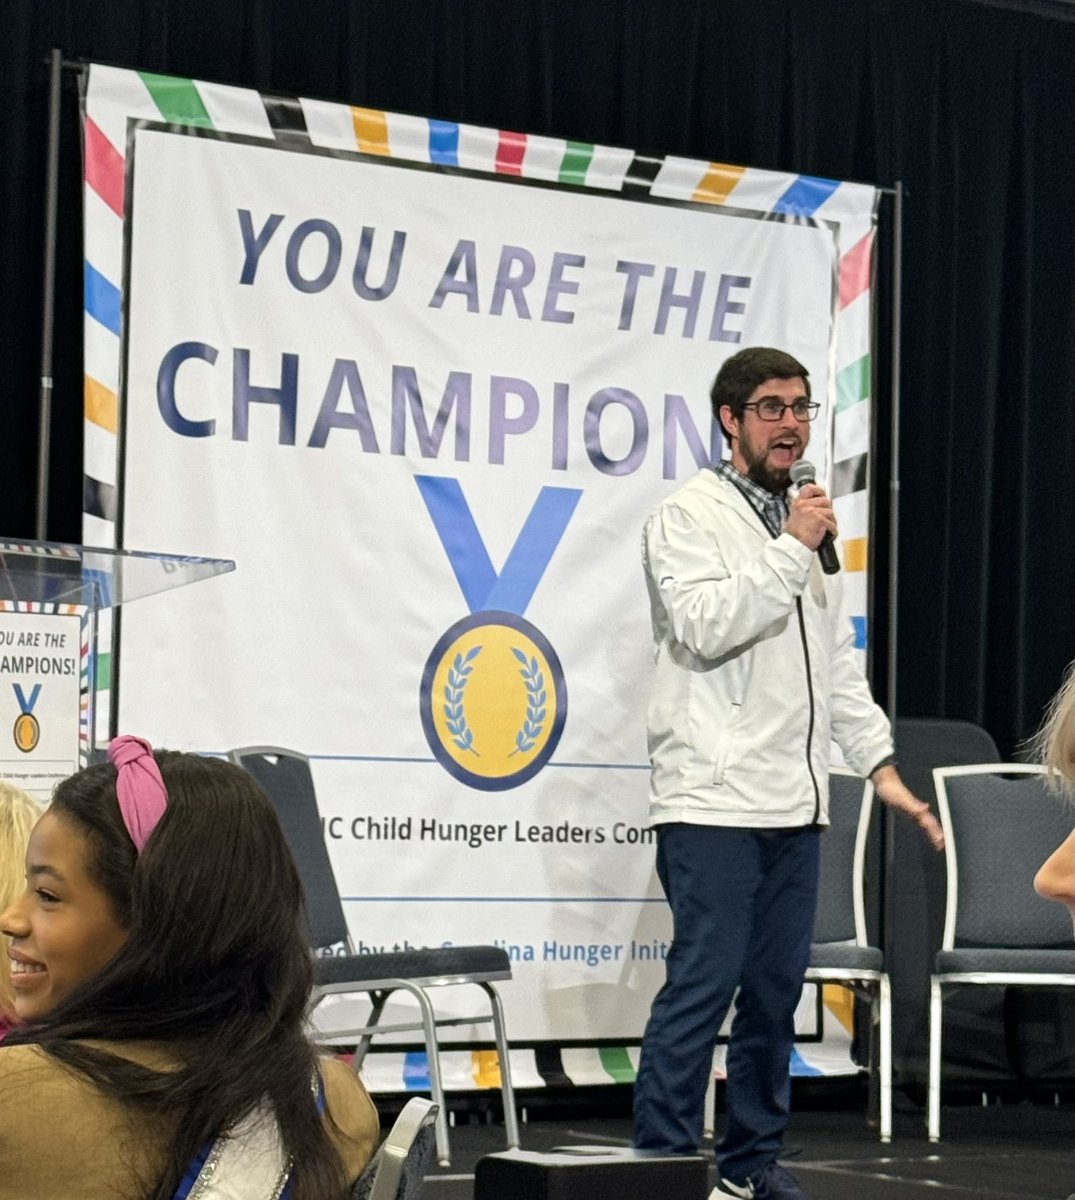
(811, 516)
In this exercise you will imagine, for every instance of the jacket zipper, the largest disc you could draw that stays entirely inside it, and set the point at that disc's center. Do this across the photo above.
(809, 677)
(810, 727)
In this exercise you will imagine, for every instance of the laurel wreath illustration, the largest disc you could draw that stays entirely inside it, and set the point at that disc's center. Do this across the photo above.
(535, 703)
(455, 717)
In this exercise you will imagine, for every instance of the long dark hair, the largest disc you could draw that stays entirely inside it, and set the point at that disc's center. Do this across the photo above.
(216, 963)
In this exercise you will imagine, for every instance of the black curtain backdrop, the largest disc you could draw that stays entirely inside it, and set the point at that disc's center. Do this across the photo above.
(967, 102)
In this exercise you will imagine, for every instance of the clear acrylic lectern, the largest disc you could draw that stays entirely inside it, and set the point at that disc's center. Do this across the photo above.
(87, 581)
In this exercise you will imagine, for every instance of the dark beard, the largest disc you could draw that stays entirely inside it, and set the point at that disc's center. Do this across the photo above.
(775, 480)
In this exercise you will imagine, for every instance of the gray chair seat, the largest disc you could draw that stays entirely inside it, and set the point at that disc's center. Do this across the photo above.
(840, 956)
(1006, 960)
(418, 966)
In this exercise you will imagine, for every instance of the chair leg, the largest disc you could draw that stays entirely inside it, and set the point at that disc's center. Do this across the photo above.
(378, 1001)
(884, 989)
(436, 1086)
(507, 1091)
(935, 1022)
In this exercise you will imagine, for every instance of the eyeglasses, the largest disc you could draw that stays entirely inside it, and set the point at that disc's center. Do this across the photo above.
(773, 410)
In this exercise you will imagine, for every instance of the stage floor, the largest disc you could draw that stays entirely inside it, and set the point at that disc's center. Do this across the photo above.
(1003, 1152)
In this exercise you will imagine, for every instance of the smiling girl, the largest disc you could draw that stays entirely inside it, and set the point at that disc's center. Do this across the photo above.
(161, 970)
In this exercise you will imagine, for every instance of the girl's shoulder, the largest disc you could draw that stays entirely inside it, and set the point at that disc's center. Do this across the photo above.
(22, 1059)
(28, 1061)
(57, 1125)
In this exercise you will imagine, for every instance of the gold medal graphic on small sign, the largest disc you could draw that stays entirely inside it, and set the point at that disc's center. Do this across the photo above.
(27, 732)
(493, 700)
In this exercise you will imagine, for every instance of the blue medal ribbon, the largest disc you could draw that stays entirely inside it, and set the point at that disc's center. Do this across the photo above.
(483, 588)
(27, 706)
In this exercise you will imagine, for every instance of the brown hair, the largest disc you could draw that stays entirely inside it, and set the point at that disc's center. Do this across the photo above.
(750, 368)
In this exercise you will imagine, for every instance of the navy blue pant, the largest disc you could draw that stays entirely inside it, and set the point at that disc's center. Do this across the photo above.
(742, 905)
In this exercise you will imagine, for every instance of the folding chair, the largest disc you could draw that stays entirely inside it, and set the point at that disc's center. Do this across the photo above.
(285, 776)
(913, 882)
(999, 823)
(840, 952)
(397, 1170)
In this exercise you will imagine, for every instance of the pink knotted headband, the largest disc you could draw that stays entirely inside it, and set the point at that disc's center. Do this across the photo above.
(139, 786)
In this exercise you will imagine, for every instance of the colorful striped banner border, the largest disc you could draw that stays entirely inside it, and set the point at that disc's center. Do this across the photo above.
(562, 1068)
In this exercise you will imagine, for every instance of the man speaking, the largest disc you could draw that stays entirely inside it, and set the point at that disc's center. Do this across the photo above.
(755, 674)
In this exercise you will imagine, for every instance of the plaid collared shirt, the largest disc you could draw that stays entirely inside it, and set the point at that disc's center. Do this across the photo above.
(771, 507)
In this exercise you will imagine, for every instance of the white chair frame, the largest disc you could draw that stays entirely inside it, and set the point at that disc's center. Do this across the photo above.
(378, 991)
(876, 982)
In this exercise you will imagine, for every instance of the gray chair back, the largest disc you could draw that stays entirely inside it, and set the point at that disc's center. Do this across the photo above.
(1002, 827)
(923, 743)
(914, 880)
(840, 870)
(285, 776)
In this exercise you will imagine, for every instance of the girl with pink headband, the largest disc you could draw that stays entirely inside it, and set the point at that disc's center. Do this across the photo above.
(162, 975)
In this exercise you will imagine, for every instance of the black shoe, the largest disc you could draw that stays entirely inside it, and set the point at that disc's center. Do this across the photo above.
(772, 1182)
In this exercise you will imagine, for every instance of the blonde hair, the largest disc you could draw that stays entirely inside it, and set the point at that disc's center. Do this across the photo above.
(18, 813)
(1055, 742)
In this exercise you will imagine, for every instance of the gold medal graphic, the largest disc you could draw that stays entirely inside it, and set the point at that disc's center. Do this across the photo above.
(27, 732)
(493, 700)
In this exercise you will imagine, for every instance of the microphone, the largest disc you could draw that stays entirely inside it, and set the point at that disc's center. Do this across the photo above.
(803, 472)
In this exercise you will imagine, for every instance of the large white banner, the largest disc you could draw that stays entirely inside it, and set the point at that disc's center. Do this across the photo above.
(426, 411)
(427, 417)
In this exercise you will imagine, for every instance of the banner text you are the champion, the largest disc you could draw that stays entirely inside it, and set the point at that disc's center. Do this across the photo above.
(514, 286)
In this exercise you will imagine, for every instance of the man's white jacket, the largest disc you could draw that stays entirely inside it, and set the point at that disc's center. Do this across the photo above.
(755, 668)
